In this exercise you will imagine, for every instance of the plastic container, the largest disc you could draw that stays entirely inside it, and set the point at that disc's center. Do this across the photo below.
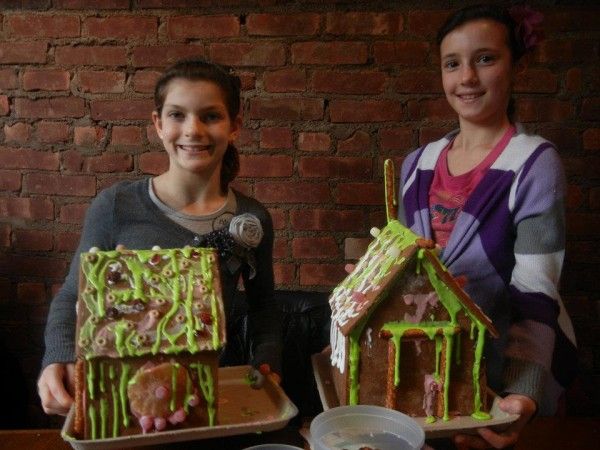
(273, 447)
(353, 427)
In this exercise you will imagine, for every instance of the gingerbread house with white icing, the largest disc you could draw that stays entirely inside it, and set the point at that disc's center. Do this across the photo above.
(404, 334)
(150, 325)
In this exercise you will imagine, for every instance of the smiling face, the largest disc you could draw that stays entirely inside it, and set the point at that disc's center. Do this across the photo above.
(477, 71)
(195, 127)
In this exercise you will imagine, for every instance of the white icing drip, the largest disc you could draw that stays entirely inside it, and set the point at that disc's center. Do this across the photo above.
(338, 348)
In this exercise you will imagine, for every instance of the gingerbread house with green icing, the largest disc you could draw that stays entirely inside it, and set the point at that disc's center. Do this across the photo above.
(404, 334)
(150, 324)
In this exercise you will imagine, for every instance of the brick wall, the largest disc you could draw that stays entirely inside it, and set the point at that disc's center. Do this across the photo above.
(331, 89)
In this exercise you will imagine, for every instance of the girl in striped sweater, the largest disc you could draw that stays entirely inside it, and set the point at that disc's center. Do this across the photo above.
(492, 197)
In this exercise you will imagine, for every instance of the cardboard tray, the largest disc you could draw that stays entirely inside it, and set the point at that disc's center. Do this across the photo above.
(463, 424)
(241, 410)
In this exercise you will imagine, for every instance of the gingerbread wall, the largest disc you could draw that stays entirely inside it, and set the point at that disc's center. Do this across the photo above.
(331, 88)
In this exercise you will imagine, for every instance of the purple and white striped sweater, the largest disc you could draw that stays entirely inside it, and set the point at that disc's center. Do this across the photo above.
(509, 242)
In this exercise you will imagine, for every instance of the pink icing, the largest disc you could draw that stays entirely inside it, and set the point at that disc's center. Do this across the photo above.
(431, 388)
(193, 400)
(160, 423)
(147, 423)
(421, 300)
(178, 416)
(161, 392)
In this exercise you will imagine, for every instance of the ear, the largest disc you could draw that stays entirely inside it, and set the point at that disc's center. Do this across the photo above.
(236, 128)
(156, 120)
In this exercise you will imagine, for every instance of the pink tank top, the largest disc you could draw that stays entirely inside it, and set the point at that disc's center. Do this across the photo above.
(448, 194)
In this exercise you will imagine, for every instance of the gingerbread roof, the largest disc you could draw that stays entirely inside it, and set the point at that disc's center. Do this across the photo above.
(139, 302)
(385, 259)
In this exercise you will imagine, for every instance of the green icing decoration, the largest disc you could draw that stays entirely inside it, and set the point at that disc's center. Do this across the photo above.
(92, 417)
(174, 370)
(430, 419)
(90, 379)
(353, 361)
(103, 417)
(101, 377)
(207, 386)
(115, 408)
(123, 392)
(478, 413)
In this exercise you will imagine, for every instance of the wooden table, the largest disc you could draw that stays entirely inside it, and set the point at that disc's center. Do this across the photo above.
(570, 433)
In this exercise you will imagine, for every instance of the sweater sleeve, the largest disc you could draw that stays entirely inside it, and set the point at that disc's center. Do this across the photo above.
(539, 251)
(60, 326)
(264, 315)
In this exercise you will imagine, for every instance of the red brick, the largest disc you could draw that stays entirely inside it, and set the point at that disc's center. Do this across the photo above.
(321, 274)
(126, 135)
(38, 26)
(27, 159)
(349, 82)
(327, 220)
(313, 142)
(556, 51)
(296, 24)
(73, 213)
(595, 199)
(574, 80)
(285, 80)
(396, 139)
(292, 192)
(544, 109)
(191, 27)
(153, 163)
(360, 141)
(66, 242)
(71, 161)
(329, 53)
(367, 23)
(100, 81)
(426, 23)
(536, 80)
(591, 139)
(581, 167)
(10, 180)
(89, 136)
(408, 53)
(19, 132)
(248, 80)
(430, 109)
(53, 184)
(279, 218)
(132, 109)
(52, 132)
(50, 108)
(352, 111)
(145, 81)
(564, 137)
(280, 248)
(590, 109)
(31, 266)
(4, 105)
(266, 166)
(32, 240)
(315, 247)
(4, 242)
(574, 197)
(91, 4)
(571, 19)
(286, 108)
(130, 28)
(152, 135)
(9, 79)
(418, 82)
(91, 55)
(29, 293)
(109, 162)
(284, 274)
(242, 186)
(46, 80)
(26, 208)
(163, 55)
(276, 137)
(583, 225)
(23, 52)
(267, 54)
(246, 139)
(360, 194)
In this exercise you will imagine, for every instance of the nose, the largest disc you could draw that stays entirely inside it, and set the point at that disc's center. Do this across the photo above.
(468, 75)
(194, 127)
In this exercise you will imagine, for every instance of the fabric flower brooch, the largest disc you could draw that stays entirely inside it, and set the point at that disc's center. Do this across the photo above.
(236, 244)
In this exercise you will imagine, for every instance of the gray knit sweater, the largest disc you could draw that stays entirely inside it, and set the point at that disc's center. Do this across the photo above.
(125, 214)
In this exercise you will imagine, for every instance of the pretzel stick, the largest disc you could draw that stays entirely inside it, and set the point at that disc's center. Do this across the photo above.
(391, 202)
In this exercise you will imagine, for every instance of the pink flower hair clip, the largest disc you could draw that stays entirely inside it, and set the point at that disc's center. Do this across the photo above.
(527, 21)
